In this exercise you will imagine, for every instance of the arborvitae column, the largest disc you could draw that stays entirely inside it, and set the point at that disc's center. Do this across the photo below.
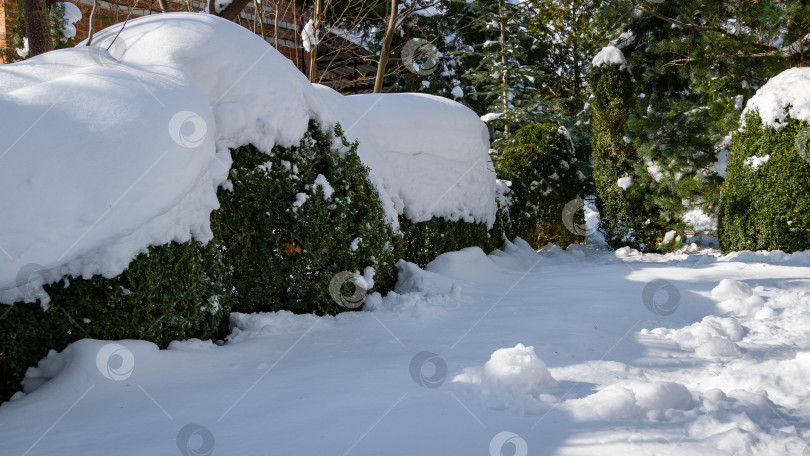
(612, 97)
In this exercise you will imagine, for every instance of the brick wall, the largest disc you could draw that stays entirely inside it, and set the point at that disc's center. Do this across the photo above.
(8, 11)
(110, 12)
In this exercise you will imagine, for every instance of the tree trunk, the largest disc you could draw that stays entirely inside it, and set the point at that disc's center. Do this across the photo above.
(260, 15)
(164, 5)
(313, 53)
(231, 11)
(388, 38)
(275, 24)
(37, 27)
(504, 79)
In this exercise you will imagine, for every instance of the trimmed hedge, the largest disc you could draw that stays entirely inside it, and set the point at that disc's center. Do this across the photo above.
(541, 165)
(766, 208)
(288, 223)
(285, 237)
(424, 241)
(173, 292)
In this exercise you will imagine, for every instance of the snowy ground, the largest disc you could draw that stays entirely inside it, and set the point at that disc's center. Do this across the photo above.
(632, 355)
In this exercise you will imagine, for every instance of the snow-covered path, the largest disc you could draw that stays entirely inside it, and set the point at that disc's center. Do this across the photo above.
(722, 374)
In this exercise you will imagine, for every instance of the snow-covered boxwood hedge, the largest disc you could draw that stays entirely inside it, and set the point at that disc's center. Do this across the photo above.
(174, 292)
(765, 202)
(289, 222)
(295, 218)
(540, 164)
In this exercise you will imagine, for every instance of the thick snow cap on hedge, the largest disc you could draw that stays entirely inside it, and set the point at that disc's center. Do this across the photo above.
(609, 55)
(786, 94)
(106, 153)
(98, 162)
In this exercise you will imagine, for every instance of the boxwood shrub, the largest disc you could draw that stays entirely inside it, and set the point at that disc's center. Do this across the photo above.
(424, 241)
(295, 218)
(173, 292)
(289, 222)
(540, 164)
(767, 208)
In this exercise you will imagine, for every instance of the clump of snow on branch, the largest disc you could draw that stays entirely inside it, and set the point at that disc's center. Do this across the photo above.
(609, 55)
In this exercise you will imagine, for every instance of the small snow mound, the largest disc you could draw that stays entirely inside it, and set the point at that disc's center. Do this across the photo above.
(516, 371)
(786, 94)
(633, 399)
(247, 326)
(730, 288)
(718, 347)
(610, 55)
(625, 182)
(737, 298)
(742, 307)
(697, 334)
(191, 344)
(468, 263)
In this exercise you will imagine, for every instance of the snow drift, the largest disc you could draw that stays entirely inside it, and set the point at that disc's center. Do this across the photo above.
(108, 152)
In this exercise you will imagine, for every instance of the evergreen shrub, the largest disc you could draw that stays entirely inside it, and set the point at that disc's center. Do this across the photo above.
(540, 163)
(295, 218)
(173, 292)
(767, 207)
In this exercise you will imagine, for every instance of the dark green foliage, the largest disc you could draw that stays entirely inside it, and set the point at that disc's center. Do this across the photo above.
(283, 256)
(540, 163)
(623, 219)
(174, 292)
(505, 74)
(674, 160)
(424, 241)
(767, 208)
